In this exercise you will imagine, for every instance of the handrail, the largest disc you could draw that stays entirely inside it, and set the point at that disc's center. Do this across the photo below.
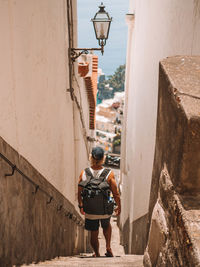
(59, 207)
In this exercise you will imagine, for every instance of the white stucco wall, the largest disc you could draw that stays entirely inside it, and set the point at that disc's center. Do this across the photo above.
(36, 111)
(161, 29)
(125, 179)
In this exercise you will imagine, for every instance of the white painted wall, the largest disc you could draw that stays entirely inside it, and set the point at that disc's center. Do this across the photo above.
(125, 179)
(37, 114)
(161, 29)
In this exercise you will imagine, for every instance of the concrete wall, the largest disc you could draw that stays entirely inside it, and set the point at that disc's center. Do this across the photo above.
(36, 111)
(174, 232)
(158, 29)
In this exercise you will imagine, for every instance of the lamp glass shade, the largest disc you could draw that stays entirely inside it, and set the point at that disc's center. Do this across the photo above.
(101, 29)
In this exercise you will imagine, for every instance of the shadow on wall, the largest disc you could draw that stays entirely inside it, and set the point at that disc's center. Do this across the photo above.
(139, 235)
(197, 8)
(125, 235)
(190, 202)
(31, 229)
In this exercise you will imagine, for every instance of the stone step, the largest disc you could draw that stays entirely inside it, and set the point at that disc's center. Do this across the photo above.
(87, 260)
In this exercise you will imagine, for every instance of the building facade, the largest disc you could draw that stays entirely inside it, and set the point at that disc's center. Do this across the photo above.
(46, 122)
(156, 30)
(109, 119)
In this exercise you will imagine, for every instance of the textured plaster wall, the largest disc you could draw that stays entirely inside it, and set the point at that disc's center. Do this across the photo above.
(36, 111)
(161, 29)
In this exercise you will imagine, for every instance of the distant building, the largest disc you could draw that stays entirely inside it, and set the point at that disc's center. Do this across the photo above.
(105, 109)
(109, 118)
(105, 140)
(104, 124)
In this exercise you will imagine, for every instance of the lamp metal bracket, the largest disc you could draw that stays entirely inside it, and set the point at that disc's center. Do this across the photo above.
(77, 52)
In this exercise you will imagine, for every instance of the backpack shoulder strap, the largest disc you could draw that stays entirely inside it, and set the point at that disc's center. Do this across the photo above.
(104, 174)
(89, 176)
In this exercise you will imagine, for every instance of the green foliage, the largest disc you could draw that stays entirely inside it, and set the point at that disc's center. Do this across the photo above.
(117, 80)
(115, 83)
(117, 142)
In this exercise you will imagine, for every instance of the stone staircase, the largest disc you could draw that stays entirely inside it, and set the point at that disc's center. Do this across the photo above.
(86, 260)
(89, 261)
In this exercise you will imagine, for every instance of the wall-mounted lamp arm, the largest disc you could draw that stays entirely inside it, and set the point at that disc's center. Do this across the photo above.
(75, 54)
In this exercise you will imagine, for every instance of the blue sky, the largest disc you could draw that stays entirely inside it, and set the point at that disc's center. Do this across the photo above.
(115, 49)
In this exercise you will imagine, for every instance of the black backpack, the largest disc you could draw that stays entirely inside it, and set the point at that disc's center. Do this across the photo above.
(96, 194)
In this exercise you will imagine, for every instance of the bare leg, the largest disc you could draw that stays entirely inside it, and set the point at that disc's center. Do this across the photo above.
(107, 233)
(95, 242)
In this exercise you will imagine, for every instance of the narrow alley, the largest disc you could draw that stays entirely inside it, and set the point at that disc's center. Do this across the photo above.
(125, 93)
(86, 260)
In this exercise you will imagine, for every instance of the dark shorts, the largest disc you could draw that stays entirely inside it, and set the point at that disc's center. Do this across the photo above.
(93, 225)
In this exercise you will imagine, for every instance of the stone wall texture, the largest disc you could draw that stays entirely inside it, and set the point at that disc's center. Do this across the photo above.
(174, 210)
(28, 221)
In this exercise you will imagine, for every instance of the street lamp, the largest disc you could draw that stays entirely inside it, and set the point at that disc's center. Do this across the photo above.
(101, 23)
